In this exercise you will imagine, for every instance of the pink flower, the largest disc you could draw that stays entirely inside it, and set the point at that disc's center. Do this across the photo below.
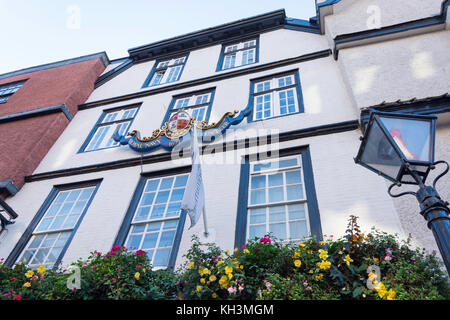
(265, 239)
(138, 266)
(14, 278)
(8, 294)
(241, 287)
(387, 258)
(243, 246)
(114, 279)
(308, 288)
(231, 290)
(17, 297)
(139, 252)
(120, 269)
(115, 248)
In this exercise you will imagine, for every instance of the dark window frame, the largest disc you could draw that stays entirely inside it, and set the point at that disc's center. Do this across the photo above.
(297, 85)
(127, 220)
(312, 204)
(222, 55)
(100, 123)
(28, 233)
(172, 108)
(155, 69)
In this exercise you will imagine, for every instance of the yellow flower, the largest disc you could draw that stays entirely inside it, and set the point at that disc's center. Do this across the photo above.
(41, 269)
(310, 271)
(219, 262)
(223, 282)
(348, 260)
(241, 267)
(191, 265)
(206, 271)
(301, 244)
(199, 288)
(235, 261)
(227, 251)
(214, 295)
(27, 284)
(340, 252)
(212, 278)
(202, 280)
(230, 275)
(391, 294)
(228, 269)
(323, 254)
(137, 275)
(29, 274)
(144, 270)
(319, 277)
(235, 249)
(324, 264)
(322, 242)
(297, 263)
(246, 251)
(200, 271)
(296, 254)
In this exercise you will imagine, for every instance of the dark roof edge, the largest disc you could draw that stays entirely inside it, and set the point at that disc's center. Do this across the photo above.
(101, 55)
(221, 32)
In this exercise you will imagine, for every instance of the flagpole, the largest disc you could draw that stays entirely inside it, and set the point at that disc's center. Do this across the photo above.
(206, 233)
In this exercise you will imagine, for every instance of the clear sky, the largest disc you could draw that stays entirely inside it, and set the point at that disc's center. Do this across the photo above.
(36, 32)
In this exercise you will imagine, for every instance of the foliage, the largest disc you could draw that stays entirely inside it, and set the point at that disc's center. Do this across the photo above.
(356, 266)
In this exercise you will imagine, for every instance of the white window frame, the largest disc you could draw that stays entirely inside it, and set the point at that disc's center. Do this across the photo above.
(112, 120)
(284, 203)
(274, 90)
(192, 104)
(162, 220)
(239, 51)
(168, 71)
(58, 231)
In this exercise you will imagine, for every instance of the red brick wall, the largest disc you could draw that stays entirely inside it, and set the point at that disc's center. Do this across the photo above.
(24, 143)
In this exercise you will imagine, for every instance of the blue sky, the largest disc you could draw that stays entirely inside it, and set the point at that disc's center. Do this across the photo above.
(35, 32)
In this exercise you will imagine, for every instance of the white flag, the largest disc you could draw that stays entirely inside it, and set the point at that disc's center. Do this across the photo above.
(194, 195)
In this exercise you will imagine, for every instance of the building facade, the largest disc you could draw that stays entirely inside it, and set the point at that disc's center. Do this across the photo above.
(287, 168)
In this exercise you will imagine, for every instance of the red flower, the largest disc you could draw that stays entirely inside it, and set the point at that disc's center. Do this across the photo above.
(140, 252)
(115, 248)
(265, 239)
(17, 297)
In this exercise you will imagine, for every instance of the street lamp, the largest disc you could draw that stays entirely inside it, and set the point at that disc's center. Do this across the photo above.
(400, 147)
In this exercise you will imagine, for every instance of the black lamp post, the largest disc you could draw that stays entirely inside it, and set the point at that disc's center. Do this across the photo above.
(400, 147)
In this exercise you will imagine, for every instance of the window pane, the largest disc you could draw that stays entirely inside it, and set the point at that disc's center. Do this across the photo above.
(276, 194)
(177, 195)
(180, 181)
(158, 211)
(278, 230)
(288, 163)
(150, 241)
(134, 241)
(152, 185)
(173, 209)
(147, 199)
(142, 214)
(161, 258)
(277, 214)
(293, 177)
(258, 182)
(275, 179)
(162, 197)
(257, 215)
(258, 196)
(257, 231)
(166, 239)
(296, 211)
(298, 229)
(166, 183)
(294, 192)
